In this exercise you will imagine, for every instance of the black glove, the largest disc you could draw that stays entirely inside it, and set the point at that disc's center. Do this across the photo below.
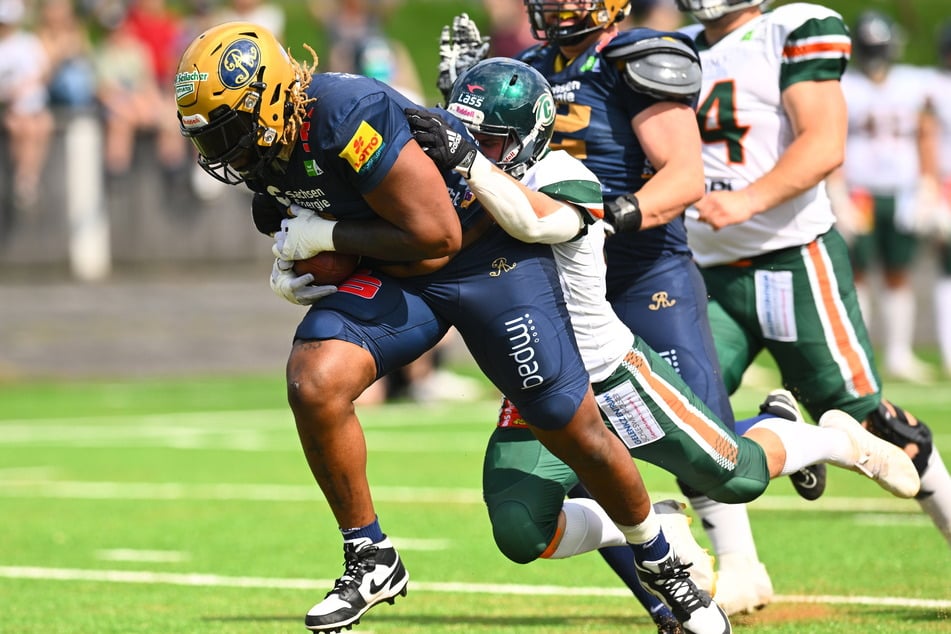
(623, 214)
(448, 149)
(268, 213)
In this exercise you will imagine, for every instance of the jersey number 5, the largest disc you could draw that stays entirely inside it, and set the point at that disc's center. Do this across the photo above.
(717, 118)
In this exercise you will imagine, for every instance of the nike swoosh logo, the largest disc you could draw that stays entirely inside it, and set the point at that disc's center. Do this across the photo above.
(375, 588)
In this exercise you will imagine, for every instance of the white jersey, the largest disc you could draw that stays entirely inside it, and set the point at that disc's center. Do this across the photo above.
(881, 154)
(602, 337)
(745, 128)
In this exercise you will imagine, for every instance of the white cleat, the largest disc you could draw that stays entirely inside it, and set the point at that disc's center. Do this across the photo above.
(743, 585)
(875, 458)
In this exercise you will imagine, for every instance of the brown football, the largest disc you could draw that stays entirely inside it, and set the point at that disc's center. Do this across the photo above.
(328, 267)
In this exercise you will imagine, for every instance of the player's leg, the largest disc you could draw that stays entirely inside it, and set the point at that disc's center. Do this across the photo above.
(517, 328)
(678, 328)
(524, 488)
(344, 343)
(898, 248)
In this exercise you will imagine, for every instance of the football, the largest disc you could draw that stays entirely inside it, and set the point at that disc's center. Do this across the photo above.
(328, 267)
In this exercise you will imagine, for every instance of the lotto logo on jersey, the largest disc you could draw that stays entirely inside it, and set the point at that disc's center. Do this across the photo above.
(362, 147)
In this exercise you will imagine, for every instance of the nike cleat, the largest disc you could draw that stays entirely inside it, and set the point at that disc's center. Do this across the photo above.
(875, 458)
(373, 573)
(669, 581)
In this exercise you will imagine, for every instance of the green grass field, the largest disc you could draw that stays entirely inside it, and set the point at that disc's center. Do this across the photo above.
(186, 507)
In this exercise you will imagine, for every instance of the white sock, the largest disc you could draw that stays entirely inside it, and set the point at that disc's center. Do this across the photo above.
(587, 528)
(937, 482)
(643, 532)
(898, 322)
(809, 444)
(727, 526)
(942, 305)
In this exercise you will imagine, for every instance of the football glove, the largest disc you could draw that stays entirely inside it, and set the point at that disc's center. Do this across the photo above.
(460, 46)
(296, 288)
(449, 149)
(303, 236)
(623, 214)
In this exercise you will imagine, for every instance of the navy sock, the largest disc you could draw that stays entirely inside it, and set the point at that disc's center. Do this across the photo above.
(742, 426)
(654, 550)
(371, 531)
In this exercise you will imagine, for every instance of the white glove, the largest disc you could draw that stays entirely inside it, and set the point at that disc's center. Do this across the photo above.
(460, 47)
(296, 288)
(303, 236)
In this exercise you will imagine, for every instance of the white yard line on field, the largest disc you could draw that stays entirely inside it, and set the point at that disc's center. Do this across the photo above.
(24, 486)
(208, 580)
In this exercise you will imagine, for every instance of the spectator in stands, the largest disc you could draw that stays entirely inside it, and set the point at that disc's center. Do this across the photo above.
(348, 24)
(72, 77)
(132, 102)
(24, 108)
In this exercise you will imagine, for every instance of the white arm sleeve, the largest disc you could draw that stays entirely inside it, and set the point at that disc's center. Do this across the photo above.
(503, 198)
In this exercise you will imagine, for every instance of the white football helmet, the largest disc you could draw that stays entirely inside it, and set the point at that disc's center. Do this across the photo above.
(706, 10)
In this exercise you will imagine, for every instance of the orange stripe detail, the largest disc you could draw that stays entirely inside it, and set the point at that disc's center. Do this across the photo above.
(553, 544)
(675, 401)
(863, 382)
(818, 47)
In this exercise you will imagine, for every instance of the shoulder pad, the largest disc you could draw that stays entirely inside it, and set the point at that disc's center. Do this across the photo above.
(664, 67)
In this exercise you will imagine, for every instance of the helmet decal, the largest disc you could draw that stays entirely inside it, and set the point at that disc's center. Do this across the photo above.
(544, 109)
(239, 63)
(187, 83)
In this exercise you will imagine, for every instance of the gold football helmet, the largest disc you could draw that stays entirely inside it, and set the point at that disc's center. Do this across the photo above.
(232, 89)
(591, 16)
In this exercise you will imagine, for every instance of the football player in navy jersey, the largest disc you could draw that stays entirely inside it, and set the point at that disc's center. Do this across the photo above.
(625, 108)
(337, 151)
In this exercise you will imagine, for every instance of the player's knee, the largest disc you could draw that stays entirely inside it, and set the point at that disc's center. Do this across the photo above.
(550, 412)
(518, 536)
(737, 490)
(901, 428)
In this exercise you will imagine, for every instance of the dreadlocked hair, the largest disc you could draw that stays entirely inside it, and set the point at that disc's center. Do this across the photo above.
(298, 100)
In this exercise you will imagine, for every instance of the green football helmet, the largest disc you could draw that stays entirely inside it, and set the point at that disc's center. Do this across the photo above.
(506, 98)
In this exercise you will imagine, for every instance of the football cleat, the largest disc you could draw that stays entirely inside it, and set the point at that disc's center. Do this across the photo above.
(676, 525)
(668, 625)
(669, 580)
(809, 482)
(743, 585)
(373, 573)
(875, 458)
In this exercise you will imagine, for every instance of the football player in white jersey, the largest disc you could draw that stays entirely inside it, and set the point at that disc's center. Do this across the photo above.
(776, 268)
(941, 88)
(891, 191)
(557, 200)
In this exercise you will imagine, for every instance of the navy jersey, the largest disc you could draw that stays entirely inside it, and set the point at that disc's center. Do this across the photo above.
(346, 152)
(595, 108)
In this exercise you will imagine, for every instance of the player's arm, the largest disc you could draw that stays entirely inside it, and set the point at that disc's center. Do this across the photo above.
(416, 219)
(669, 135)
(668, 69)
(817, 112)
(524, 214)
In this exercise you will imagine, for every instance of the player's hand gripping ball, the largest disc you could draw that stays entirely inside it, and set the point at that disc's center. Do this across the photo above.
(328, 267)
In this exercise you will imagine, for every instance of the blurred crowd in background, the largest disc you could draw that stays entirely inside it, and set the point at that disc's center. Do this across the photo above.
(113, 60)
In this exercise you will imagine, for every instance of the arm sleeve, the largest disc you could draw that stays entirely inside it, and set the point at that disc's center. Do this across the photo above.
(502, 197)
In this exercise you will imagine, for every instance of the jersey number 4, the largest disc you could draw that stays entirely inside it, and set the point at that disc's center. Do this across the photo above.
(717, 119)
